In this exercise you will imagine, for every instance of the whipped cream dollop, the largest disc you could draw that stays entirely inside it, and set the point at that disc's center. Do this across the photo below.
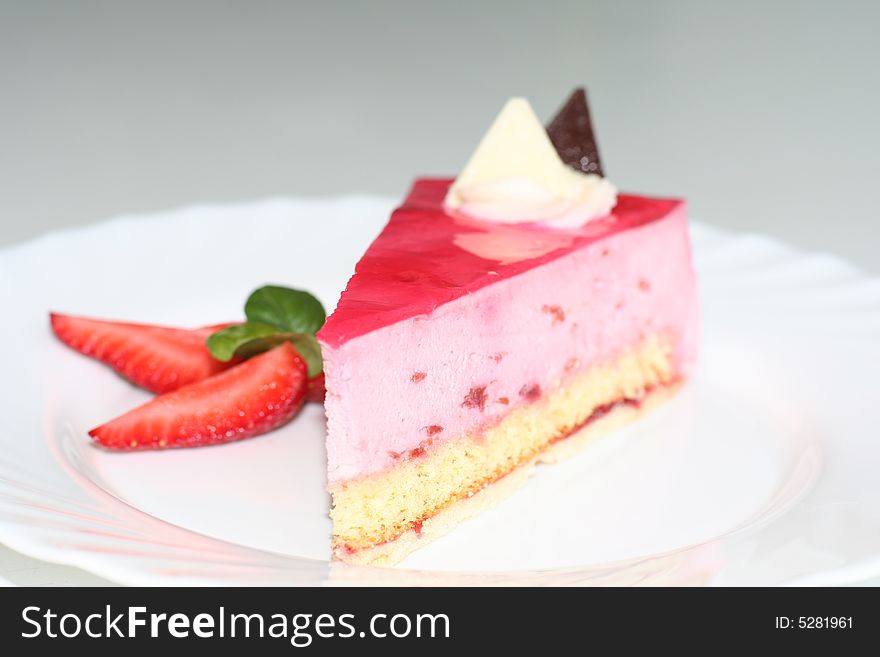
(516, 176)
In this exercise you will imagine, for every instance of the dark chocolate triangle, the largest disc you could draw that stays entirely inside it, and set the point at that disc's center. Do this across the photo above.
(571, 132)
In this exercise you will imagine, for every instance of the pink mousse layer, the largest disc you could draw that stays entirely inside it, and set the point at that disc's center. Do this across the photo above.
(446, 319)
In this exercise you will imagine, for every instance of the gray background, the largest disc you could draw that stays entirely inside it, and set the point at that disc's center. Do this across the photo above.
(764, 114)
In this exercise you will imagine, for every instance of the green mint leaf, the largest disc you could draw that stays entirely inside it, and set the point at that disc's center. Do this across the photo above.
(293, 311)
(252, 338)
(310, 350)
(227, 343)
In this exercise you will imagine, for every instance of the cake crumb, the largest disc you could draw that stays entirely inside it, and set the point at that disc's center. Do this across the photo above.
(644, 285)
(417, 377)
(433, 429)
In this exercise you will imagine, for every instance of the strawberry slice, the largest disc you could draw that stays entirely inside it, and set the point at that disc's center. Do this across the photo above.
(158, 358)
(315, 390)
(251, 398)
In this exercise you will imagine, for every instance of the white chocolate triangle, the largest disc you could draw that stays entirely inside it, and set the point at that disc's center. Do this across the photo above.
(516, 147)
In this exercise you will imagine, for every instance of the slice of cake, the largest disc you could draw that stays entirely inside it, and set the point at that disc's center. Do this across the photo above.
(498, 320)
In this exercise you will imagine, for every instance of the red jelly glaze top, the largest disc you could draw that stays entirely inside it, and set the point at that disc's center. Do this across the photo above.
(418, 262)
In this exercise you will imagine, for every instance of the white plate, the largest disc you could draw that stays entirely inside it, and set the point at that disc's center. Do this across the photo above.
(763, 470)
